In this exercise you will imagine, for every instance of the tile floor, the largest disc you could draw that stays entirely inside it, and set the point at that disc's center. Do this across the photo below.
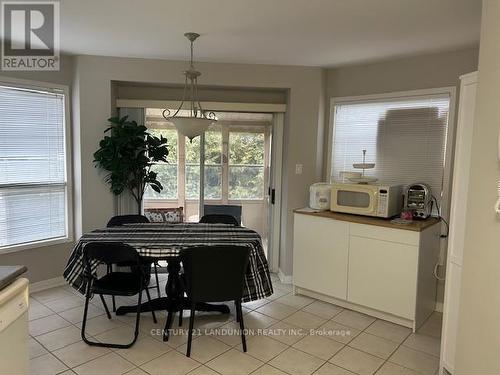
(290, 340)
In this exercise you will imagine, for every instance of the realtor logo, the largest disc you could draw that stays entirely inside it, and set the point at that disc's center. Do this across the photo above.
(30, 35)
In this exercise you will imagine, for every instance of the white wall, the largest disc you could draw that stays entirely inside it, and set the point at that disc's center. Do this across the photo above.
(479, 316)
(93, 105)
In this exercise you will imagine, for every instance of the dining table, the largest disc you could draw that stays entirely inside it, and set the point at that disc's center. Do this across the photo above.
(163, 241)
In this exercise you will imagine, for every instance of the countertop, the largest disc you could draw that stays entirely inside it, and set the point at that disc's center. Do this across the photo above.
(9, 273)
(415, 225)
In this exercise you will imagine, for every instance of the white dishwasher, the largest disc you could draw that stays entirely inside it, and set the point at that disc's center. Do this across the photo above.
(14, 336)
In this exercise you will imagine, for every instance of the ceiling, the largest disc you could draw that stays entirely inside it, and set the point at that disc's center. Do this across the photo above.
(290, 32)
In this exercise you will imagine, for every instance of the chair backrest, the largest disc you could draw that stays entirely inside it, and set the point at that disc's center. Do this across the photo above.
(110, 253)
(120, 220)
(223, 209)
(215, 273)
(219, 219)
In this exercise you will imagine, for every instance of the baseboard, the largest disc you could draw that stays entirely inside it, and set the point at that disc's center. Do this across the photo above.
(284, 279)
(439, 307)
(446, 368)
(47, 284)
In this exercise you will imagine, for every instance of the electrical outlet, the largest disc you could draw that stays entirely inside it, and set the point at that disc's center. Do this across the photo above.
(298, 168)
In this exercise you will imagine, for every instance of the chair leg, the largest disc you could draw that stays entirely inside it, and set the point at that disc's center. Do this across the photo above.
(109, 270)
(242, 326)
(168, 325)
(151, 306)
(237, 312)
(157, 282)
(85, 312)
(138, 317)
(181, 311)
(190, 333)
(105, 306)
(105, 344)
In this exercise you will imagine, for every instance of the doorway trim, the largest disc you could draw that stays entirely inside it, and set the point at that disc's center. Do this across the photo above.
(274, 243)
(209, 106)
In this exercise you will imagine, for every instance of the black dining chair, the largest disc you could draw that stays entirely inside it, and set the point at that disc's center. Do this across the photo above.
(213, 274)
(117, 221)
(233, 210)
(219, 219)
(113, 283)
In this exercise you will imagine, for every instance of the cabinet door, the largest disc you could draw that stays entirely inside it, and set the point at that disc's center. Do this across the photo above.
(320, 251)
(383, 275)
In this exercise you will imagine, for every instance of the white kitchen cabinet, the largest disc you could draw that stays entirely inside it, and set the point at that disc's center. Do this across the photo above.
(320, 255)
(382, 275)
(367, 264)
(468, 85)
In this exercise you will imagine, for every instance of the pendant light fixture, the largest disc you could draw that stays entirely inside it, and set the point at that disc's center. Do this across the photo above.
(197, 120)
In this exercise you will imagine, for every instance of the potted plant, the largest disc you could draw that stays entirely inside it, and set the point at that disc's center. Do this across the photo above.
(127, 155)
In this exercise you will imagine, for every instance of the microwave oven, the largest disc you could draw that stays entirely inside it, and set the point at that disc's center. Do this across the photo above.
(369, 200)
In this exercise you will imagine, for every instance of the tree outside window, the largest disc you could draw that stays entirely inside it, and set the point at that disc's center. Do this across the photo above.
(213, 166)
(246, 165)
(167, 172)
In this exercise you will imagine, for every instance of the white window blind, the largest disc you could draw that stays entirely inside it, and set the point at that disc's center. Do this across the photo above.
(405, 137)
(33, 204)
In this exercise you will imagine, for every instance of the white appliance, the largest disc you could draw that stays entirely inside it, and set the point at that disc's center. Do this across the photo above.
(319, 196)
(418, 200)
(458, 215)
(368, 200)
(14, 357)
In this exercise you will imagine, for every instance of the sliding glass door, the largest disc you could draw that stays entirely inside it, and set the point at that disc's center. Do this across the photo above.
(211, 143)
(235, 167)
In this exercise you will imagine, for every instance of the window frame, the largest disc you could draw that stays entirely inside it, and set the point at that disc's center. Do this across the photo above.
(69, 219)
(397, 95)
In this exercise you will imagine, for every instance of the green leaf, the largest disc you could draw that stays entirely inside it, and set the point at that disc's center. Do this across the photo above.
(127, 153)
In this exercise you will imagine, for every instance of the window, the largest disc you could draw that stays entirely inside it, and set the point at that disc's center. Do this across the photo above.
(213, 166)
(404, 136)
(167, 172)
(33, 177)
(246, 165)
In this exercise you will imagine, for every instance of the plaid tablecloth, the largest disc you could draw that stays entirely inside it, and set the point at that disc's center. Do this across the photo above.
(164, 241)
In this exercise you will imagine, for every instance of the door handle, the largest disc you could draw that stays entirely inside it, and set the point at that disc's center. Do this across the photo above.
(273, 195)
